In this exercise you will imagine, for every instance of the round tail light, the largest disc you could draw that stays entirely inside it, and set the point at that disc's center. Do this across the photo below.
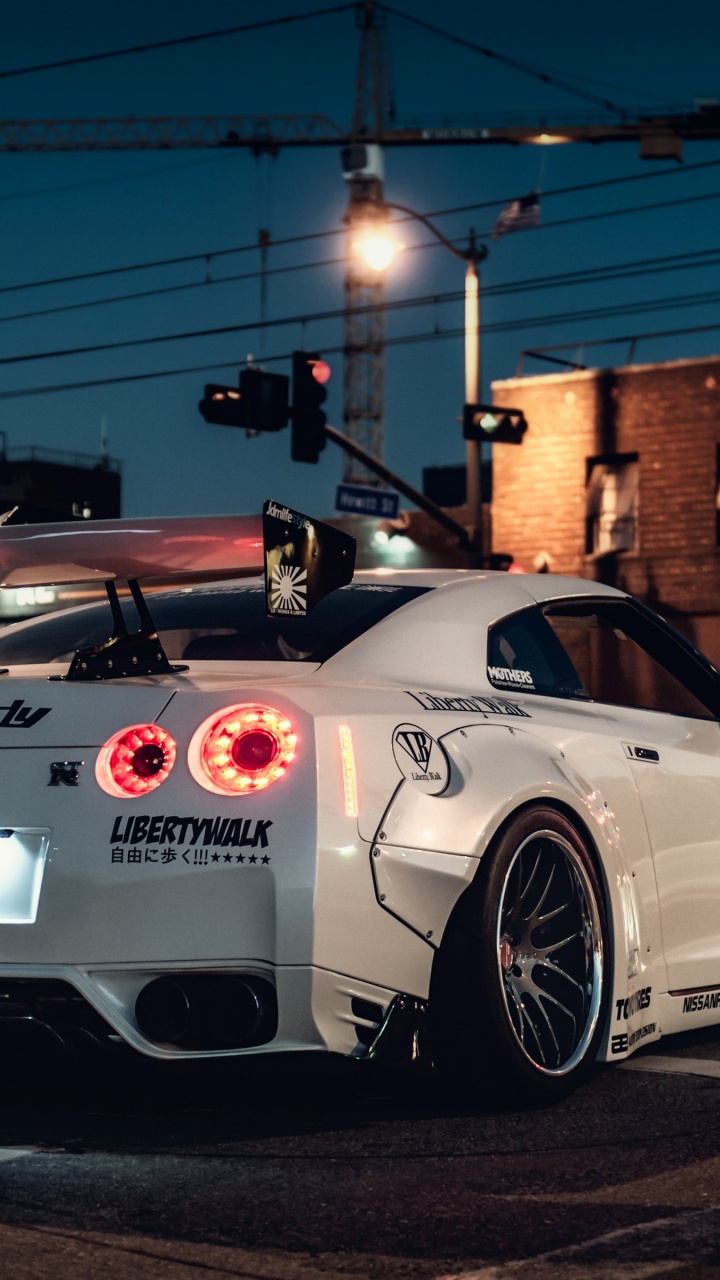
(135, 760)
(243, 749)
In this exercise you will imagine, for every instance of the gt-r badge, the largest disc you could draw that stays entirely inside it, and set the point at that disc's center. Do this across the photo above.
(421, 759)
(66, 772)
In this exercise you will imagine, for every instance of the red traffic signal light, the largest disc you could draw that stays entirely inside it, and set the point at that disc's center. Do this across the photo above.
(321, 371)
(310, 373)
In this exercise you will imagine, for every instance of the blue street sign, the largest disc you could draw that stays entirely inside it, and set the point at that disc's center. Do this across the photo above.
(361, 500)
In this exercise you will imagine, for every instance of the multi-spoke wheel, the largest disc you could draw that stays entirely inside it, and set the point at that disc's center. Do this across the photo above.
(518, 988)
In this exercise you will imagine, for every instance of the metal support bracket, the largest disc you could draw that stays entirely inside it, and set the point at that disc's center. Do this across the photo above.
(125, 653)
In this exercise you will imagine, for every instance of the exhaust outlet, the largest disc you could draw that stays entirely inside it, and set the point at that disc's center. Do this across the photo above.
(208, 1011)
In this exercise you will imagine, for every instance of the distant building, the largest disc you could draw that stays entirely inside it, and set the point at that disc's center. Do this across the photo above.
(60, 485)
(617, 480)
(48, 486)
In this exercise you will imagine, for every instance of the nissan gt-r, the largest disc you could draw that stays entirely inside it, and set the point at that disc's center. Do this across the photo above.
(470, 819)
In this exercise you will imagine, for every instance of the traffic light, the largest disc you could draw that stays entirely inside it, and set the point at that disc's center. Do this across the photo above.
(310, 373)
(259, 403)
(222, 405)
(491, 423)
(266, 399)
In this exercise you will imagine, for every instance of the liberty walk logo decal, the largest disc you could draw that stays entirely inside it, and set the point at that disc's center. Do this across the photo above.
(421, 759)
(288, 589)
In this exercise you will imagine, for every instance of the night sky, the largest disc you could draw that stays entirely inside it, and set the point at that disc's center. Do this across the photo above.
(75, 213)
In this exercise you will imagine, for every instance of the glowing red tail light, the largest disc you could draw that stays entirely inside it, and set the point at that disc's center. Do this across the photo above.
(242, 749)
(135, 760)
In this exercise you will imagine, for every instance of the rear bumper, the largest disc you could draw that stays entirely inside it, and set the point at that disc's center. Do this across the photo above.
(83, 1008)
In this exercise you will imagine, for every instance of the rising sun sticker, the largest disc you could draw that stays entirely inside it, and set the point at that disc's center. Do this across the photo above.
(288, 591)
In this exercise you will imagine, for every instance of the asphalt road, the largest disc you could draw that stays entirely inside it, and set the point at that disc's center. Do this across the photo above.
(304, 1169)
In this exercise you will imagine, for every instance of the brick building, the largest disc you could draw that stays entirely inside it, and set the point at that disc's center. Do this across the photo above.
(617, 480)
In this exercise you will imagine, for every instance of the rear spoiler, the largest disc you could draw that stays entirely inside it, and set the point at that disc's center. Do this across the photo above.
(177, 547)
(303, 561)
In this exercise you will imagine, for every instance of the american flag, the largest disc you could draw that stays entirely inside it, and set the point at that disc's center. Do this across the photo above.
(518, 215)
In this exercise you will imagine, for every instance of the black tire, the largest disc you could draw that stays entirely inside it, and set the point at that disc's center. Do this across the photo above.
(520, 983)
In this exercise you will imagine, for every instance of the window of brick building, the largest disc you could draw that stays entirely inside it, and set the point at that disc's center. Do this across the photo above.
(612, 503)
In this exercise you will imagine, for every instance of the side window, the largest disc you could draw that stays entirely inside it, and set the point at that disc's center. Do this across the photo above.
(629, 659)
(525, 654)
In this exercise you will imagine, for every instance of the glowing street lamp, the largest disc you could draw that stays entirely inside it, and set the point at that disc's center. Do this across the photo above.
(378, 249)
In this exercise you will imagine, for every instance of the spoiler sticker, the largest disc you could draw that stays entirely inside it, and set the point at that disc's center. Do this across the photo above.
(304, 561)
(420, 759)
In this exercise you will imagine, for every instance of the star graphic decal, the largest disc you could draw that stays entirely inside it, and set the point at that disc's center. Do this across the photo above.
(228, 857)
(216, 857)
(239, 857)
(252, 858)
(265, 858)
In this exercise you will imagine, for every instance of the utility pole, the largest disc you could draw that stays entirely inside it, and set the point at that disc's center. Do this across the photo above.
(364, 337)
(473, 385)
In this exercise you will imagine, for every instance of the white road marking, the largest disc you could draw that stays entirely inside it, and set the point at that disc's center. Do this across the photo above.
(576, 1260)
(15, 1153)
(676, 1066)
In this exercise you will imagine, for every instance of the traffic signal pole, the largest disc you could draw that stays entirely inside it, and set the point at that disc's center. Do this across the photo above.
(426, 504)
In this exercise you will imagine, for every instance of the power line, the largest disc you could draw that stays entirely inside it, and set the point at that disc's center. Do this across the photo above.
(586, 275)
(177, 40)
(566, 191)
(338, 231)
(525, 68)
(118, 177)
(328, 262)
(400, 304)
(500, 326)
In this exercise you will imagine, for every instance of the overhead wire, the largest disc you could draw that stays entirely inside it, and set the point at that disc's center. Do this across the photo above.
(395, 341)
(545, 77)
(283, 241)
(335, 313)
(400, 305)
(639, 267)
(552, 78)
(153, 45)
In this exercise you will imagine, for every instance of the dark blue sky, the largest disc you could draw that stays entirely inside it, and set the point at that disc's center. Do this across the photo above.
(66, 214)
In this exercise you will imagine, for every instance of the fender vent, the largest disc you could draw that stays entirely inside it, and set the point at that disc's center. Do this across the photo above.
(371, 1016)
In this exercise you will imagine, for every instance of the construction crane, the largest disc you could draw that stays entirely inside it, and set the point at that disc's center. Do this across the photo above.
(660, 137)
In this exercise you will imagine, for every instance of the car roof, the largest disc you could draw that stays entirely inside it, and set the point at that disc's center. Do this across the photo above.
(438, 640)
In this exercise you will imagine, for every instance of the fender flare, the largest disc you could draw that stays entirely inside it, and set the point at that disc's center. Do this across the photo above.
(421, 882)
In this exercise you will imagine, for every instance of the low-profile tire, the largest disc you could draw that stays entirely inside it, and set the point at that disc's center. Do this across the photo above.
(520, 982)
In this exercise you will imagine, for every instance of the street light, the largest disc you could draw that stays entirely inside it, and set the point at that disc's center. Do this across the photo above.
(378, 249)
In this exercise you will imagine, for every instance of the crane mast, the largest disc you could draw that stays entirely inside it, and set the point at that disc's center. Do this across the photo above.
(364, 337)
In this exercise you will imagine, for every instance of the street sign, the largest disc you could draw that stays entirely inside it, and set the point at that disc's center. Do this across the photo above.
(362, 500)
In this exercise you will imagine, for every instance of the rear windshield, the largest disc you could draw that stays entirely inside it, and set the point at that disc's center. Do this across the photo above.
(214, 624)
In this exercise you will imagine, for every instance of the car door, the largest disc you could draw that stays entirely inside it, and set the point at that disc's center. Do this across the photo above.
(665, 699)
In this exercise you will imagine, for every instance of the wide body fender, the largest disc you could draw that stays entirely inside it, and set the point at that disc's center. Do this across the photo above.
(427, 850)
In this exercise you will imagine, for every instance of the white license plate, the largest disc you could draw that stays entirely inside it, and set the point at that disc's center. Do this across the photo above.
(23, 851)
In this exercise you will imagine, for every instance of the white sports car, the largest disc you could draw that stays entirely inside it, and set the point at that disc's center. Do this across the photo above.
(467, 817)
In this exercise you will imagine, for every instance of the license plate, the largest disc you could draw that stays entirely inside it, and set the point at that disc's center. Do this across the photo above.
(23, 851)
